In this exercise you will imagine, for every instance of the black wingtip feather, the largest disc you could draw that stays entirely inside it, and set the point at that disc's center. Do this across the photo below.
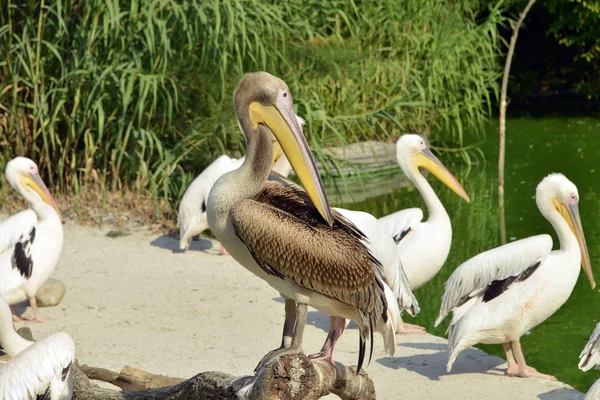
(371, 328)
(497, 287)
(398, 238)
(22, 259)
(361, 354)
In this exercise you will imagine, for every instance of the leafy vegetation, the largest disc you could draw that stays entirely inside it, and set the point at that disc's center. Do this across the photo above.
(136, 95)
(558, 55)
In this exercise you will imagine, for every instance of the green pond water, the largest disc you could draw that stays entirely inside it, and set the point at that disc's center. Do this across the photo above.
(535, 148)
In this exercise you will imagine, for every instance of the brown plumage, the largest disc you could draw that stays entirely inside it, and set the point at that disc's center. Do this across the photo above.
(330, 260)
(310, 256)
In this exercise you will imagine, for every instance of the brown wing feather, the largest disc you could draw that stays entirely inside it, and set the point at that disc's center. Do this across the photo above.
(288, 238)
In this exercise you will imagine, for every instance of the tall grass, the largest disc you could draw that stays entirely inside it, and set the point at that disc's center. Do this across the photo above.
(137, 94)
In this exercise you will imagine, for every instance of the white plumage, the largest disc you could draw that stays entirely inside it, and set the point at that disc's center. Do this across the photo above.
(501, 294)
(41, 370)
(423, 245)
(474, 275)
(384, 249)
(191, 217)
(594, 392)
(30, 241)
(590, 357)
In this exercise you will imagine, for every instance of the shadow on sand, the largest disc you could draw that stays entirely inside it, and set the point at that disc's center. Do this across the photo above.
(170, 243)
(561, 394)
(20, 308)
(433, 365)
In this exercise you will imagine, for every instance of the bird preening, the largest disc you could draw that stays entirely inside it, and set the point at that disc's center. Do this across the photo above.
(344, 263)
(30, 241)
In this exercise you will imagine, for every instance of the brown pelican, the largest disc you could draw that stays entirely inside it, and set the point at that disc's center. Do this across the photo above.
(500, 294)
(287, 236)
(30, 241)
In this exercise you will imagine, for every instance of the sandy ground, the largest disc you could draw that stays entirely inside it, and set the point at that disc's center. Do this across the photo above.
(136, 300)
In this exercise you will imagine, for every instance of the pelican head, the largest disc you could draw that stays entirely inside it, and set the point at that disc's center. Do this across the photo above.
(263, 105)
(412, 152)
(23, 175)
(556, 192)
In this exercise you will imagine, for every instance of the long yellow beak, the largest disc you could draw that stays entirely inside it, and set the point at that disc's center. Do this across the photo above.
(427, 160)
(282, 121)
(570, 213)
(35, 182)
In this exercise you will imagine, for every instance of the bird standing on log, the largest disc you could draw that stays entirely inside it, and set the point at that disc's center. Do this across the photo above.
(289, 236)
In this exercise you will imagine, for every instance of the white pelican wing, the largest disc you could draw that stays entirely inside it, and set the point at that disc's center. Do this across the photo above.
(385, 250)
(14, 228)
(474, 275)
(191, 215)
(594, 392)
(42, 370)
(399, 224)
(590, 355)
(16, 235)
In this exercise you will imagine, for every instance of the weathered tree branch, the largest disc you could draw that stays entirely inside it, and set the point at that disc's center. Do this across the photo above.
(502, 117)
(293, 376)
(290, 377)
(129, 378)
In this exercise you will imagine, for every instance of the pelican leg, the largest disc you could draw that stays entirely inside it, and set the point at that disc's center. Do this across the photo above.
(295, 345)
(289, 324)
(406, 328)
(288, 331)
(524, 370)
(513, 367)
(36, 313)
(15, 317)
(336, 328)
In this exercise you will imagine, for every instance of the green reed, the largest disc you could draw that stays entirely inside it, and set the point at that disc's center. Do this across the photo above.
(137, 94)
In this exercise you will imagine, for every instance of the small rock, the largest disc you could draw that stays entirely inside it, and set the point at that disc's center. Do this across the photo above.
(51, 293)
(117, 233)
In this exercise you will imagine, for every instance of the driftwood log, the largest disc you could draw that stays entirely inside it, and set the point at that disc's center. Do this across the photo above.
(129, 378)
(292, 376)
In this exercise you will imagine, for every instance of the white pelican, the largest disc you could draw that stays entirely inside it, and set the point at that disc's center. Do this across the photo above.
(499, 295)
(191, 218)
(397, 288)
(288, 236)
(589, 357)
(30, 241)
(38, 370)
(423, 245)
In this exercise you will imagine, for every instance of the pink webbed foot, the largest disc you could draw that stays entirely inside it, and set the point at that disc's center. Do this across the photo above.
(223, 251)
(529, 372)
(405, 328)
